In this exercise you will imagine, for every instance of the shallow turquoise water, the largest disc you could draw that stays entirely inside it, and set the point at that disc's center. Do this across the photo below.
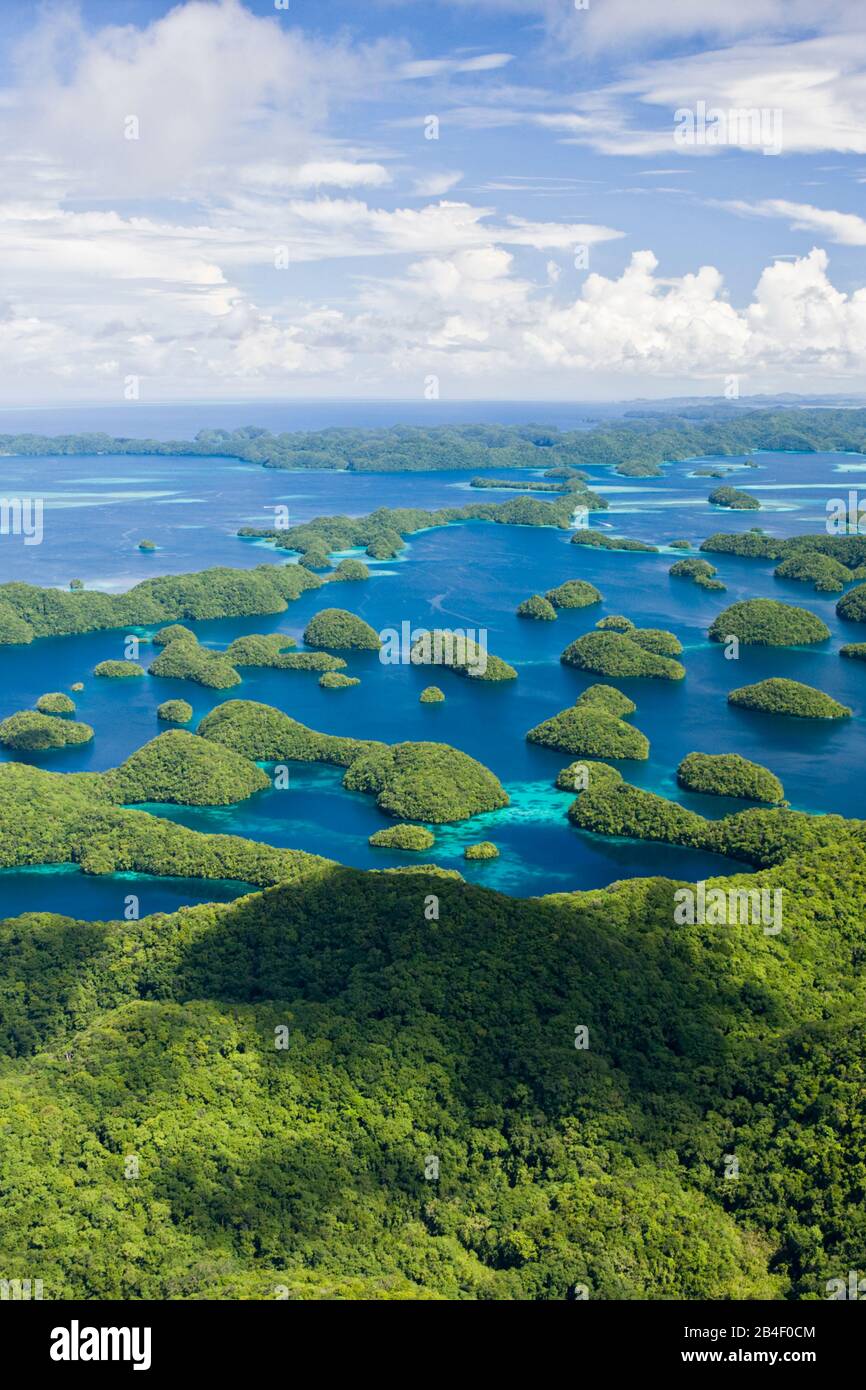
(463, 576)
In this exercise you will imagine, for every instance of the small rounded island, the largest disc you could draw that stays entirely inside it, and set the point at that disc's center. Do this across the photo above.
(118, 670)
(431, 695)
(338, 629)
(536, 607)
(484, 849)
(175, 711)
(335, 680)
(55, 702)
(408, 837)
(31, 731)
(147, 546)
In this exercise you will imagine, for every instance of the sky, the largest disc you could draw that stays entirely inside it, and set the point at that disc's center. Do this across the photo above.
(421, 199)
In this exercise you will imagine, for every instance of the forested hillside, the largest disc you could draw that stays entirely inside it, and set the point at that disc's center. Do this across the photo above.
(431, 1027)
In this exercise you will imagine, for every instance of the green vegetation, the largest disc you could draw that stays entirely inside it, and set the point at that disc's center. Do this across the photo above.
(635, 446)
(680, 545)
(77, 685)
(728, 774)
(811, 567)
(734, 498)
(827, 562)
(409, 837)
(599, 540)
(615, 622)
(656, 639)
(147, 545)
(753, 545)
(57, 818)
(174, 711)
(27, 611)
(335, 627)
(350, 569)
(536, 607)
(186, 660)
(426, 781)
(408, 1038)
(484, 849)
(764, 622)
(760, 836)
(335, 680)
(55, 702)
(580, 775)
(381, 534)
(780, 696)
(621, 655)
(701, 571)
(175, 632)
(30, 730)
(76, 584)
(416, 781)
(529, 485)
(118, 670)
(256, 649)
(852, 606)
(593, 727)
(460, 653)
(855, 650)
(265, 734)
(181, 767)
(574, 593)
(431, 695)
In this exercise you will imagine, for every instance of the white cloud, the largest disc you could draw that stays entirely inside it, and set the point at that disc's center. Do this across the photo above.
(207, 88)
(434, 185)
(316, 173)
(845, 228)
(438, 67)
(617, 25)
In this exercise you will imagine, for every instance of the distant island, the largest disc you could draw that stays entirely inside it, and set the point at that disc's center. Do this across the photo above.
(634, 447)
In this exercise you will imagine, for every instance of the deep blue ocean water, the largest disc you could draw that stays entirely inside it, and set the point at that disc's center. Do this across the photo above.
(467, 576)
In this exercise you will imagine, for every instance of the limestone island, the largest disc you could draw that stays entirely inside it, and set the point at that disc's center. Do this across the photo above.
(483, 849)
(118, 670)
(640, 653)
(764, 622)
(408, 837)
(734, 499)
(55, 702)
(728, 774)
(335, 680)
(30, 730)
(781, 696)
(340, 630)
(594, 727)
(174, 711)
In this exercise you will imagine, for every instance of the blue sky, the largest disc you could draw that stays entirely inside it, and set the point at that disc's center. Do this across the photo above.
(240, 200)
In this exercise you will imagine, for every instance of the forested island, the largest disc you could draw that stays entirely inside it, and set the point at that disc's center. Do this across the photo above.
(636, 446)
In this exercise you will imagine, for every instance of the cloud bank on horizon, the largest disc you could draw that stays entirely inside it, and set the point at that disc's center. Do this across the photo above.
(510, 198)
